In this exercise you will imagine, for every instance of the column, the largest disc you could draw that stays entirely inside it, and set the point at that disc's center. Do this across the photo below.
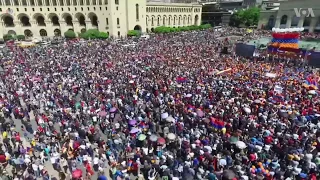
(313, 24)
(278, 20)
(88, 24)
(301, 20)
(76, 27)
(2, 29)
(288, 24)
(50, 29)
(35, 29)
(18, 28)
(63, 27)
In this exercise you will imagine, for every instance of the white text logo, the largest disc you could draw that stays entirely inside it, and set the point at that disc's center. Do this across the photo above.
(307, 12)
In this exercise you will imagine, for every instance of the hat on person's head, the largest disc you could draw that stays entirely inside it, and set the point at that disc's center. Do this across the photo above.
(296, 171)
(252, 157)
(258, 148)
(290, 157)
(267, 147)
(297, 158)
(303, 175)
(309, 156)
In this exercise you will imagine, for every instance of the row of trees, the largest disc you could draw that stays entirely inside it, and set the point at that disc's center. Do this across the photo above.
(164, 29)
(96, 34)
(245, 17)
(134, 33)
(8, 37)
(89, 34)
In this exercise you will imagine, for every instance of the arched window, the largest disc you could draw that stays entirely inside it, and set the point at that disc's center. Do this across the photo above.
(284, 19)
(94, 2)
(16, 2)
(47, 2)
(137, 12)
(152, 19)
(307, 21)
(75, 2)
(68, 2)
(105, 2)
(118, 21)
(81, 2)
(147, 21)
(54, 2)
(158, 22)
(61, 3)
(24, 2)
(295, 21)
(39, 2)
(7, 2)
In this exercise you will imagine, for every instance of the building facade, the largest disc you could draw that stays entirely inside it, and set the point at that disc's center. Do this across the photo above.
(47, 18)
(292, 13)
(173, 15)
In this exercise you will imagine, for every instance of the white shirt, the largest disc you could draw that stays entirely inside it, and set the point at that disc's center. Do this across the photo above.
(95, 160)
(35, 167)
(53, 160)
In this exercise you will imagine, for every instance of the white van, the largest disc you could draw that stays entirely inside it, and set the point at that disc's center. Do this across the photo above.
(145, 36)
(218, 28)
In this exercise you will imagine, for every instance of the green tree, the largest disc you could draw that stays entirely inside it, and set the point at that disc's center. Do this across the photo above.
(162, 29)
(133, 33)
(7, 37)
(103, 35)
(20, 37)
(70, 34)
(94, 34)
(205, 26)
(247, 17)
(235, 20)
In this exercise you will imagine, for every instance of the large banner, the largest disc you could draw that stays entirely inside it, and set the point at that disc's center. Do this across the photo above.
(314, 59)
(245, 50)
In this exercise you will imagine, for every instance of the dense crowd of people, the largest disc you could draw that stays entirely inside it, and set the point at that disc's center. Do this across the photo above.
(167, 107)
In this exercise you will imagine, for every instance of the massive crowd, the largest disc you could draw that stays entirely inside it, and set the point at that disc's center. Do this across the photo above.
(170, 107)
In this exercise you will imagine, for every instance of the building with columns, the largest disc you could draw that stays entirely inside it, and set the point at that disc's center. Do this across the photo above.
(48, 18)
(292, 13)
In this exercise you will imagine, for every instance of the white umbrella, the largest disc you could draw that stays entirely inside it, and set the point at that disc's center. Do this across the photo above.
(257, 101)
(170, 119)
(171, 136)
(164, 115)
(247, 110)
(208, 148)
(179, 85)
(241, 145)
(271, 75)
(312, 92)
(116, 141)
(188, 95)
